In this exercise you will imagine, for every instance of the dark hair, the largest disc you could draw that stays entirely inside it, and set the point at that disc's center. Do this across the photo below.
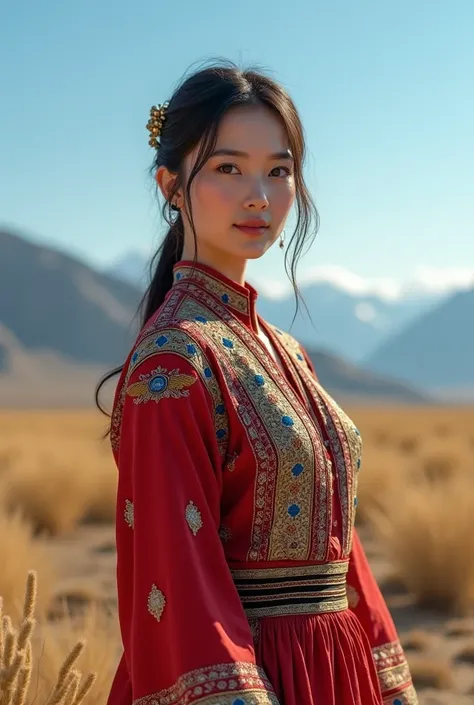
(192, 118)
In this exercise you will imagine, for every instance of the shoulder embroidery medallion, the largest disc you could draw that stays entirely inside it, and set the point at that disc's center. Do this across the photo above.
(156, 602)
(160, 384)
(193, 517)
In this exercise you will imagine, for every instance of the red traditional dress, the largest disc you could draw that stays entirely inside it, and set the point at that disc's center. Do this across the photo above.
(235, 523)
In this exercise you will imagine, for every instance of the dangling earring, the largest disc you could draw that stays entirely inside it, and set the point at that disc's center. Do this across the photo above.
(282, 240)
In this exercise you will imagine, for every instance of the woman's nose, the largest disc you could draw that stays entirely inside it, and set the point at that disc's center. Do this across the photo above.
(257, 198)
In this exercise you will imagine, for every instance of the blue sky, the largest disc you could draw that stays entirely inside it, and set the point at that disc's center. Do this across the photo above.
(385, 90)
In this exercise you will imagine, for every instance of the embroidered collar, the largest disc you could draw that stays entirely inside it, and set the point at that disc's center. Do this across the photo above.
(240, 299)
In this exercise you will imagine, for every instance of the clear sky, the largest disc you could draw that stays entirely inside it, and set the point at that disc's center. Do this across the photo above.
(385, 90)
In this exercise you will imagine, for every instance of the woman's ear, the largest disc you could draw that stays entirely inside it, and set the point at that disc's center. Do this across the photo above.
(167, 182)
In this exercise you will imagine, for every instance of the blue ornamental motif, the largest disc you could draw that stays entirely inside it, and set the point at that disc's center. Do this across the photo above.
(297, 469)
(287, 421)
(299, 356)
(294, 510)
(259, 380)
(356, 430)
(356, 501)
(397, 701)
(208, 372)
(220, 409)
(161, 341)
(158, 384)
(178, 275)
(200, 319)
(221, 433)
(135, 356)
(225, 298)
(227, 343)
(238, 701)
(358, 463)
(191, 349)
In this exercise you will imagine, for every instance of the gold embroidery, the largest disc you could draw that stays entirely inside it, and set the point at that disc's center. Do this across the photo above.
(156, 602)
(230, 464)
(161, 384)
(315, 589)
(281, 434)
(173, 340)
(228, 295)
(128, 513)
(220, 684)
(407, 696)
(193, 517)
(394, 673)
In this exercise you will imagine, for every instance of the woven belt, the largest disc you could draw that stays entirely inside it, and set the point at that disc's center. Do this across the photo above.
(314, 589)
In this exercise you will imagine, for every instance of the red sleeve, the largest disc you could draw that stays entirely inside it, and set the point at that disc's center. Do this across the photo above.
(367, 602)
(185, 634)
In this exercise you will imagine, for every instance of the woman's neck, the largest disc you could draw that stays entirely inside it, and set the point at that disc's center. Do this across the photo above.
(228, 266)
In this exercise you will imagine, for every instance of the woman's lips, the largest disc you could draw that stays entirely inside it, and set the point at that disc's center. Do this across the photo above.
(252, 229)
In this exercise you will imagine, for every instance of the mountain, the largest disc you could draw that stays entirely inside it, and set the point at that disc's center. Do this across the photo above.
(62, 324)
(436, 350)
(346, 380)
(50, 300)
(347, 324)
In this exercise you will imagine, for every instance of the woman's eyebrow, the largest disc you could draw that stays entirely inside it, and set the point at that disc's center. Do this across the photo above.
(225, 152)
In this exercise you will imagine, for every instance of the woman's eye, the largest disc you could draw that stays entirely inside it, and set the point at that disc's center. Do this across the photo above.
(227, 168)
(279, 169)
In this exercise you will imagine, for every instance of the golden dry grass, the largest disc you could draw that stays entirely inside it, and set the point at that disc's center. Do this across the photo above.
(19, 552)
(18, 661)
(431, 673)
(416, 488)
(56, 469)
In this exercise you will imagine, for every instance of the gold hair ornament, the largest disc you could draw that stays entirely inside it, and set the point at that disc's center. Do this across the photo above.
(155, 123)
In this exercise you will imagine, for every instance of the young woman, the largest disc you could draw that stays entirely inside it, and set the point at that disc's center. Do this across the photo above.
(241, 580)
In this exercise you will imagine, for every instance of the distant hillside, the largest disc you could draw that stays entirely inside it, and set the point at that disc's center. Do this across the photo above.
(436, 351)
(51, 301)
(62, 324)
(344, 379)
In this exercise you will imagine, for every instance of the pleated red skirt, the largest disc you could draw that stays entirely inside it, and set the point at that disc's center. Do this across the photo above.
(322, 659)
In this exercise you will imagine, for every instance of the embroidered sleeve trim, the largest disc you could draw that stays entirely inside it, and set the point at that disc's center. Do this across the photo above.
(222, 684)
(407, 697)
(394, 675)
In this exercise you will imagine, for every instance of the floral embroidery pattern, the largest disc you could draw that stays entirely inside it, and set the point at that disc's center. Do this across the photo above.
(129, 513)
(160, 384)
(156, 603)
(223, 684)
(193, 517)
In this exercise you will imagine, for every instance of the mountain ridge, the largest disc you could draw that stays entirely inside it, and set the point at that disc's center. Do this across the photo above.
(64, 322)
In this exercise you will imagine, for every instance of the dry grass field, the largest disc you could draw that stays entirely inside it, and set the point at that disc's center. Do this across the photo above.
(57, 500)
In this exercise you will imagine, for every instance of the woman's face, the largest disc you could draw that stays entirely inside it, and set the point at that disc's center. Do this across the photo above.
(243, 194)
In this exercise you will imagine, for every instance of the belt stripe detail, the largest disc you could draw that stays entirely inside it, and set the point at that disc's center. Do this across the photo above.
(296, 590)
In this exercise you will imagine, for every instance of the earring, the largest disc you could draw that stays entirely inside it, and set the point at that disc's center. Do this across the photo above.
(282, 240)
